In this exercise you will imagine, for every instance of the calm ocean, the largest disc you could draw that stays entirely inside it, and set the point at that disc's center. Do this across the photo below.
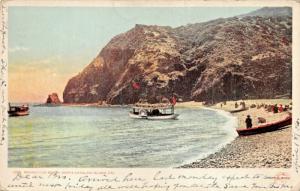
(106, 137)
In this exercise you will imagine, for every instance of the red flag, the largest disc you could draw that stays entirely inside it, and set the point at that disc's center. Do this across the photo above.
(136, 85)
(173, 100)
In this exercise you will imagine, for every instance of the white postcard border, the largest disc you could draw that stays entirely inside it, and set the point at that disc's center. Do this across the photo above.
(147, 178)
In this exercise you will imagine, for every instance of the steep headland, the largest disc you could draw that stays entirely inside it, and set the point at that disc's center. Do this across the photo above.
(242, 57)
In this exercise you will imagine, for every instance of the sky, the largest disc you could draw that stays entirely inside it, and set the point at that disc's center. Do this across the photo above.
(49, 45)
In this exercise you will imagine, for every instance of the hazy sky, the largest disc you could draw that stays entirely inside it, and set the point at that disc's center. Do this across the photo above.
(49, 45)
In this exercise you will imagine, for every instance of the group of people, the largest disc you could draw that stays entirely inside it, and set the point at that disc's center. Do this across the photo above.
(270, 108)
(248, 121)
(242, 103)
(277, 109)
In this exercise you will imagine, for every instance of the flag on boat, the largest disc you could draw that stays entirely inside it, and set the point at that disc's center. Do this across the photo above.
(136, 85)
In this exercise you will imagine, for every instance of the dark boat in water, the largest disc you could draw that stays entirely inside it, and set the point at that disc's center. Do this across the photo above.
(15, 111)
(266, 127)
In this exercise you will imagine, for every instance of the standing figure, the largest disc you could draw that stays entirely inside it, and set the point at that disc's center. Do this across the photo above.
(280, 109)
(236, 105)
(248, 122)
(275, 109)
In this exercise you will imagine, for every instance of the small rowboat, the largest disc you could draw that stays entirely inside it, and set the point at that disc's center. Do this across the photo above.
(265, 128)
(238, 110)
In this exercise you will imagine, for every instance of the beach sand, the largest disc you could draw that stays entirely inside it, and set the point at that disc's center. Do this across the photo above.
(266, 150)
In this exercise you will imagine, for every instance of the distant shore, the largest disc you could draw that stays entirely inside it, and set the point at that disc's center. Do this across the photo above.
(271, 149)
(81, 105)
(190, 104)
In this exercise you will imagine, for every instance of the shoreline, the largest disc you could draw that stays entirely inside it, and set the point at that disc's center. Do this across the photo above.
(266, 150)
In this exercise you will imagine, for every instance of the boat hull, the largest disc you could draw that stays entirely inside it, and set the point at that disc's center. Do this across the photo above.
(17, 114)
(161, 117)
(265, 128)
(16, 111)
(238, 110)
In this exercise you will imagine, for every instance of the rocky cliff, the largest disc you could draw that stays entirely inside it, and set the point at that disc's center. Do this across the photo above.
(224, 59)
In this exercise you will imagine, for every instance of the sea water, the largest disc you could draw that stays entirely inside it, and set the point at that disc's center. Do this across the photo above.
(69, 136)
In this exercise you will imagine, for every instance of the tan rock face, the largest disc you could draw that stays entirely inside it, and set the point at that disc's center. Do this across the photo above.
(234, 58)
(53, 99)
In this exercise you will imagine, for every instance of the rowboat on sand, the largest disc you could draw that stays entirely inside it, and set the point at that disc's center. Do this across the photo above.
(239, 110)
(265, 127)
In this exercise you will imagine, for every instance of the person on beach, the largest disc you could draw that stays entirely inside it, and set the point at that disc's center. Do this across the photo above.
(272, 108)
(286, 108)
(248, 122)
(261, 120)
(275, 109)
(280, 109)
(243, 104)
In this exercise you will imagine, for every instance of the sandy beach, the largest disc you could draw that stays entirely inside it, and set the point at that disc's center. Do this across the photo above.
(271, 149)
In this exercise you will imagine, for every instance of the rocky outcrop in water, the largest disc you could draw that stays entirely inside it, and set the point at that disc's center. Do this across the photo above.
(224, 59)
(53, 99)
